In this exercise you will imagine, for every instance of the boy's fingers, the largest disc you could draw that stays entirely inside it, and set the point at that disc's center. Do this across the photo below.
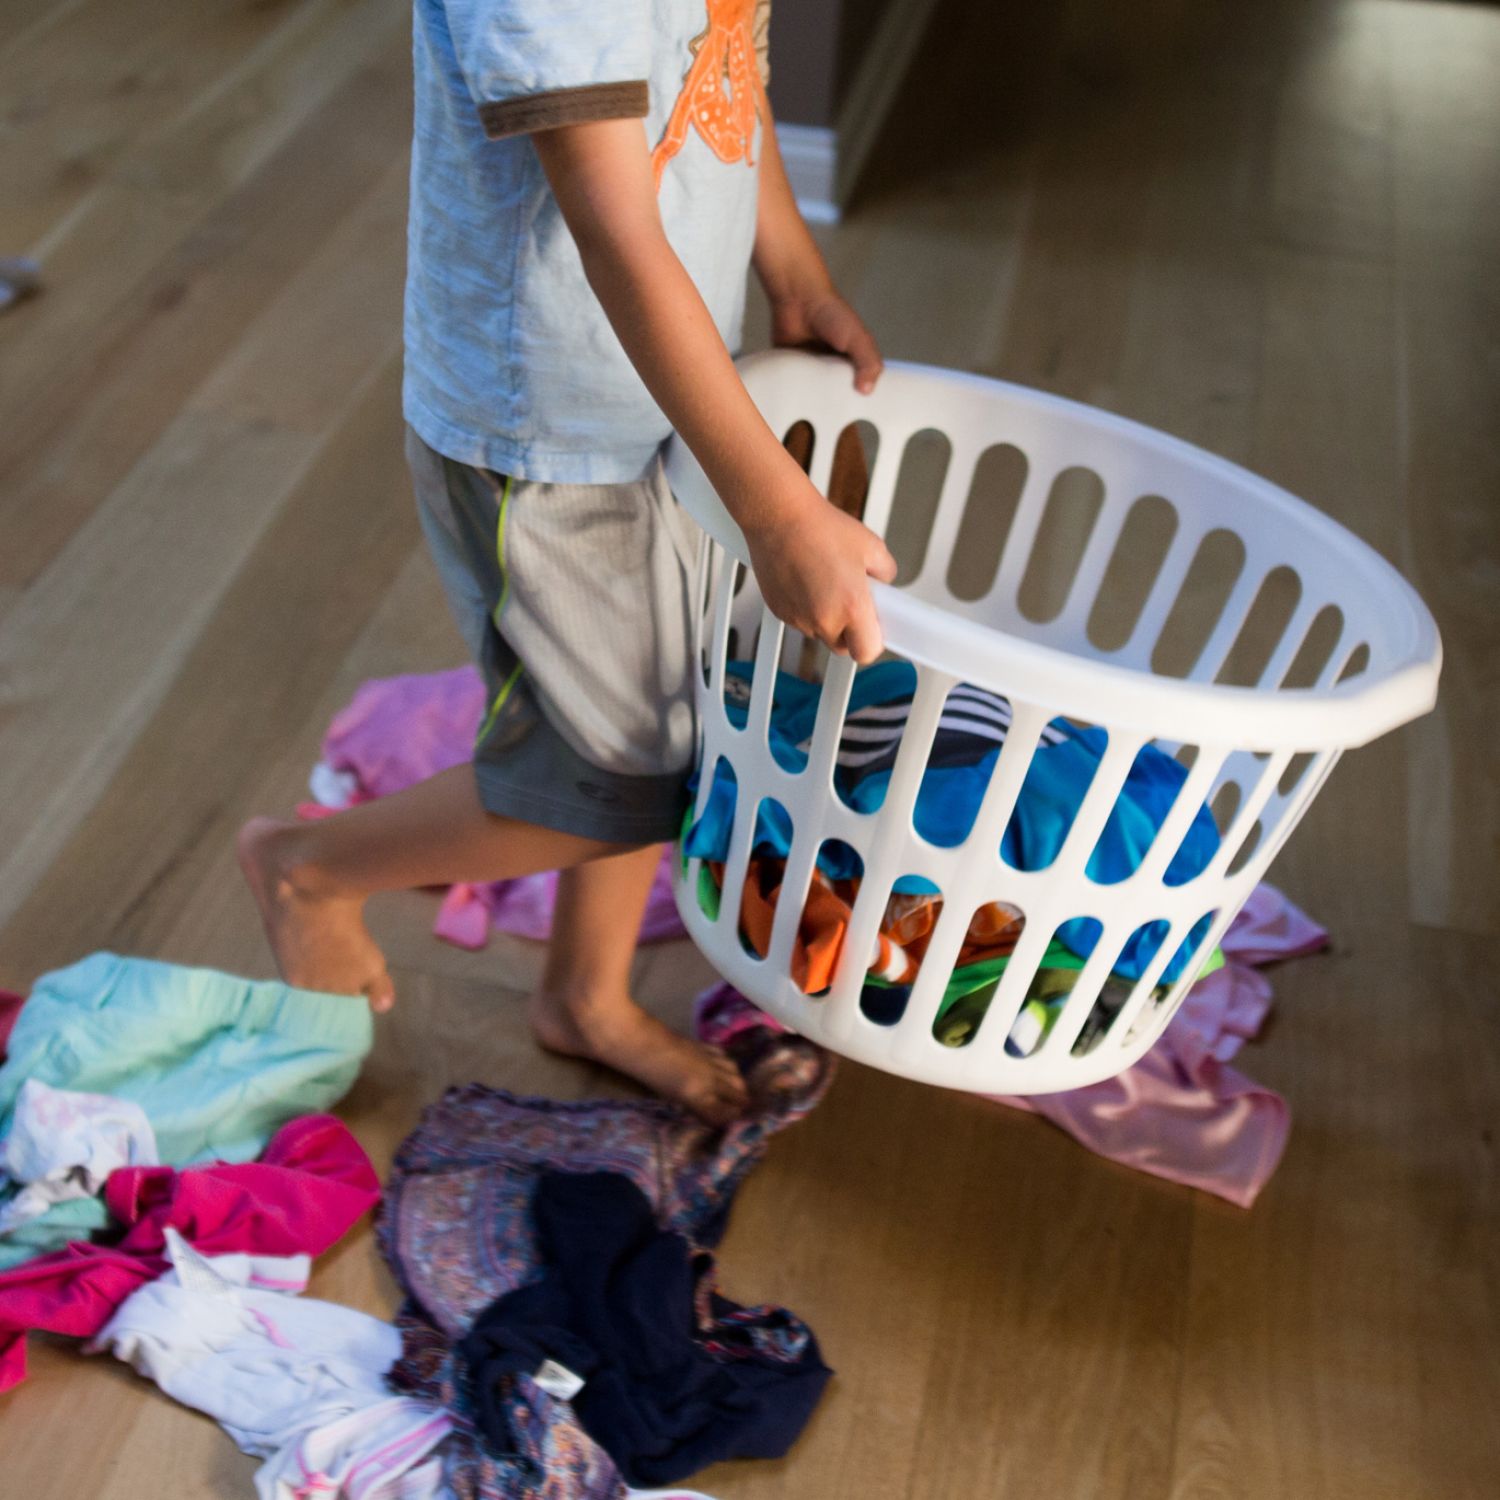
(880, 564)
(841, 329)
(865, 354)
(862, 636)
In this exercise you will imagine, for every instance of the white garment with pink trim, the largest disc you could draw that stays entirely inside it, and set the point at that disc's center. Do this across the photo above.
(379, 1452)
(291, 1379)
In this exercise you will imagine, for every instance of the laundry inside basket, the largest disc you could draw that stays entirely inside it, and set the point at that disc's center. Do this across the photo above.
(970, 736)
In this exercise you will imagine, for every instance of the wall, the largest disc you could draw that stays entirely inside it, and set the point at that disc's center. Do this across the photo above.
(805, 37)
(858, 22)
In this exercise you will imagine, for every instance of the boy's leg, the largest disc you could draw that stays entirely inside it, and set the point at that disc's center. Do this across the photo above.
(575, 601)
(311, 880)
(584, 1007)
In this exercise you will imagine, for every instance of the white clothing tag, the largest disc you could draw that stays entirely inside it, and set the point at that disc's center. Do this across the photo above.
(558, 1380)
(331, 788)
(195, 1271)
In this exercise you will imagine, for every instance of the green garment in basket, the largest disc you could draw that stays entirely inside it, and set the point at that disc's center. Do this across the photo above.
(218, 1063)
(971, 987)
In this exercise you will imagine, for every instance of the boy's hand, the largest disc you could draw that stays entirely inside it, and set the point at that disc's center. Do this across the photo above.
(806, 309)
(823, 319)
(813, 567)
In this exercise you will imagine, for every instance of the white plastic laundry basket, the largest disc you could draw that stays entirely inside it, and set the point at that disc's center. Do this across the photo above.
(1030, 530)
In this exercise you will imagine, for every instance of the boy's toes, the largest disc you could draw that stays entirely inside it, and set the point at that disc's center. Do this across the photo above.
(720, 1095)
(320, 942)
(381, 993)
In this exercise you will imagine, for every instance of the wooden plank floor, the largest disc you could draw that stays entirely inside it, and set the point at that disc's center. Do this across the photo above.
(1269, 229)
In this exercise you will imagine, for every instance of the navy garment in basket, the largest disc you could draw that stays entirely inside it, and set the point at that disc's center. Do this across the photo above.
(675, 1377)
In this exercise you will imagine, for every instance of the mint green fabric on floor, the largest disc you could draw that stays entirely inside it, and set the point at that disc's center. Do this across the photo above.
(218, 1063)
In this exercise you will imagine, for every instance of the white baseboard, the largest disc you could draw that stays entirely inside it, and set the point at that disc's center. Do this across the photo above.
(823, 162)
(810, 154)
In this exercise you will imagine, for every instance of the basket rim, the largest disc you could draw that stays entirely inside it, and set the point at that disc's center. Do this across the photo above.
(1345, 716)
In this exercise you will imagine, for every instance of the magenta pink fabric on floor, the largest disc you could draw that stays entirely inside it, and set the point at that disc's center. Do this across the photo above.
(10, 1008)
(1182, 1112)
(398, 731)
(308, 1188)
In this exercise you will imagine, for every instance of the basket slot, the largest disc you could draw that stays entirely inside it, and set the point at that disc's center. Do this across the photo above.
(1240, 770)
(1080, 1003)
(808, 839)
(1191, 796)
(1134, 1024)
(1339, 663)
(723, 608)
(978, 858)
(1240, 611)
(1277, 826)
(1030, 509)
(1147, 526)
(737, 858)
(703, 591)
(1158, 606)
(1215, 585)
(987, 1049)
(1178, 928)
(1297, 770)
(1098, 802)
(823, 750)
(912, 1037)
(820, 468)
(1074, 503)
(882, 490)
(894, 834)
(853, 456)
(1297, 634)
(1070, 631)
(763, 677)
(921, 482)
(981, 848)
(706, 782)
(953, 498)
(744, 619)
(793, 645)
(1249, 812)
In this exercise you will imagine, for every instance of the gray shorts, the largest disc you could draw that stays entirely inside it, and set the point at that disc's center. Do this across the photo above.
(574, 599)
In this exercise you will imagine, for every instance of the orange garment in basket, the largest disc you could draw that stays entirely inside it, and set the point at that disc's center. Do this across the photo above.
(905, 929)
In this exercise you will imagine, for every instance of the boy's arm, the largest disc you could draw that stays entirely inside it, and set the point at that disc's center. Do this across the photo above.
(805, 307)
(812, 562)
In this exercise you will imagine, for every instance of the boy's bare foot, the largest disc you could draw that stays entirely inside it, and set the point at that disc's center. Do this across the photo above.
(619, 1034)
(320, 941)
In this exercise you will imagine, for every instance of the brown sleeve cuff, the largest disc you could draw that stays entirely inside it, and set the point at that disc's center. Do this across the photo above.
(575, 106)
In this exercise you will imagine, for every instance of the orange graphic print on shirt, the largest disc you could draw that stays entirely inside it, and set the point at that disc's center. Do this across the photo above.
(722, 91)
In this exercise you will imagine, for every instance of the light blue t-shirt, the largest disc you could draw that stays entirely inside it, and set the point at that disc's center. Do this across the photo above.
(511, 364)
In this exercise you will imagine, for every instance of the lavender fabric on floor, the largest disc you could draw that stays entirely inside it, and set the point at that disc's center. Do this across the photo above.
(397, 731)
(1182, 1112)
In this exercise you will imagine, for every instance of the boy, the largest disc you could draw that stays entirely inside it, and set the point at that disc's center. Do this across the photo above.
(575, 277)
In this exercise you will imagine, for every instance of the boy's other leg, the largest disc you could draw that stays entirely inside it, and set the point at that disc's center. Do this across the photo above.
(311, 880)
(584, 1007)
